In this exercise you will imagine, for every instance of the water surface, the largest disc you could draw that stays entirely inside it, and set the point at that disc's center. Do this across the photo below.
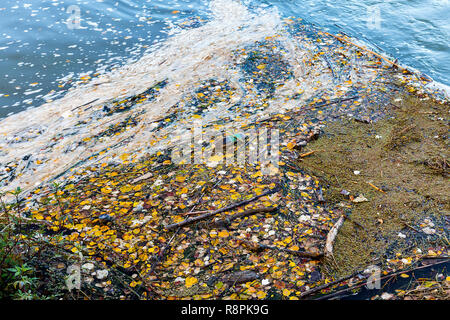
(42, 54)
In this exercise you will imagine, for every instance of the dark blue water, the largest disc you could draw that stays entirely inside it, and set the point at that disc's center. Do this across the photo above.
(48, 46)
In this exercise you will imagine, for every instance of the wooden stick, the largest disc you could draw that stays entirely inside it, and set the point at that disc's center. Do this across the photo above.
(224, 223)
(85, 104)
(327, 285)
(258, 247)
(375, 187)
(308, 153)
(193, 213)
(192, 220)
(332, 236)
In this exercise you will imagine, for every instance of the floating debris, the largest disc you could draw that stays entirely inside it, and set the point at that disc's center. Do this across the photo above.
(220, 222)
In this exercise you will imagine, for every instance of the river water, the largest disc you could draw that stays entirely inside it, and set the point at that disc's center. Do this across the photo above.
(49, 46)
(92, 81)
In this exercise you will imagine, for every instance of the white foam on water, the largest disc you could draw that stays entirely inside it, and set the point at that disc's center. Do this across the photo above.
(187, 58)
(441, 87)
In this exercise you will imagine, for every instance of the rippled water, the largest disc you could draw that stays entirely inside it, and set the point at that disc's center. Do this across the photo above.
(40, 52)
(131, 79)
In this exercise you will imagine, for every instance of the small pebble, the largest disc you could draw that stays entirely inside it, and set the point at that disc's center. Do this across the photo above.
(401, 235)
(102, 274)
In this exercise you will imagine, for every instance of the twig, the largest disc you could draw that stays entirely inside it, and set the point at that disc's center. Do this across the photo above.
(192, 220)
(224, 223)
(308, 153)
(193, 213)
(422, 77)
(258, 247)
(326, 285)
(163, 252)
(339, 100)
(332, 236)
(375, 187)
(85, 104)
(411, 227)
(405, 129)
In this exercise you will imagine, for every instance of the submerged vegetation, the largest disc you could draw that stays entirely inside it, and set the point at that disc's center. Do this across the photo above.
(391, 176)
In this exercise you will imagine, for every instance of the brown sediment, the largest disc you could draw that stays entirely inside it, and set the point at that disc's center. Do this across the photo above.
(405, 156)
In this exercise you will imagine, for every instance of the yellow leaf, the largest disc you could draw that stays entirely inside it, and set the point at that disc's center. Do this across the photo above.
(190, 281)
(291, 145)
(277, 274)
(180, 179)
(126, 189)
(216, 158)
(124, 156)
(251, 290)
(223, 234)
(261, 66)
(286, 292)
(106, 190)
(235, 196)
(261, 294)
(213, 233)
(404, 275)
(258, 191)
(184, 190)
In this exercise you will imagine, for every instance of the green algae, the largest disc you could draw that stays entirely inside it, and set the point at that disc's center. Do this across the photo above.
(403, 165)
